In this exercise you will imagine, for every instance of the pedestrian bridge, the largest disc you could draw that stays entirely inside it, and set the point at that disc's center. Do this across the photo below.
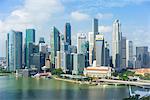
(136, 83)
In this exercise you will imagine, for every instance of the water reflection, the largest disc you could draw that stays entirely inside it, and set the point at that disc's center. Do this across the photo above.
(33, 89)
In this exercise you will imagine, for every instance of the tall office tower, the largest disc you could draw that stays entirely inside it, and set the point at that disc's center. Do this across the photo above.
(14, 51)
(55, 44)
(91, 47)
(30, 38)
(100, 50)
(78, 63)
(134, 61)
(95, 31)
(37, 59)
(95, 26)
(64, 57)
(107, 55)
(60, 55)
(6, 54)
(116, 44)
(81, 41)
(42, 45)
(67, 36)
(87, 54)
(129, 54)
(123, 52)
(142, 57)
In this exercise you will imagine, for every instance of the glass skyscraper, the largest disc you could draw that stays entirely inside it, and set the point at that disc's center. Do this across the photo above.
(55, 44)
(100, 50)
(95, 31)
(14, 50)
(67, 37)
(30, 38)
(123, 52)
(142, 57)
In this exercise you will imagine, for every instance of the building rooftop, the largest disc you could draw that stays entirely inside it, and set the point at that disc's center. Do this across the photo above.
(142, 71)
(102, 68)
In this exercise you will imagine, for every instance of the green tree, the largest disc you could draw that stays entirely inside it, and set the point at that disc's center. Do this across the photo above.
(57, 72)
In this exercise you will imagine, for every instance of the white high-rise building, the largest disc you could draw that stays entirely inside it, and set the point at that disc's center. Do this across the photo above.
(116, 44)
(91, 47)
(129, 54)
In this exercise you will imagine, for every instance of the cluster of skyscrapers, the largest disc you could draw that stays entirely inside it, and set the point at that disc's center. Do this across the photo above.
(29, 55)
(122, 51)
(70, 58)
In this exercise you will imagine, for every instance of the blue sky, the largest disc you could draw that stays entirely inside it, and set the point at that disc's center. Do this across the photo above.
(43, 14)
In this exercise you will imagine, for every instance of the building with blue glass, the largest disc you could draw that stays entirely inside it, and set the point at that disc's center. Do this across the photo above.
(55, 44)
(67, 35)
(14, 50)
(30, 38)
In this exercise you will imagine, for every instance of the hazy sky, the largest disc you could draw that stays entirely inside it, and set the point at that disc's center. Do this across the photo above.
(134, 16)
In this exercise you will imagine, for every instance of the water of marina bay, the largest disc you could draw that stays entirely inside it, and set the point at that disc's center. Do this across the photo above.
(12, 88)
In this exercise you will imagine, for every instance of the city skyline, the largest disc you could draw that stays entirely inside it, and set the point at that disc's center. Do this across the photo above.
(74, 49)
(20, 15)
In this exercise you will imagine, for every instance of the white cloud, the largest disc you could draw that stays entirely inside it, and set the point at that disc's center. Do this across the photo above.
(32, 14)
(105, 29)
(104, 15)
(78, 16)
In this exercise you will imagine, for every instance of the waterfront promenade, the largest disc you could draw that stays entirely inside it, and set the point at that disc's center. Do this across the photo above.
(143, 84)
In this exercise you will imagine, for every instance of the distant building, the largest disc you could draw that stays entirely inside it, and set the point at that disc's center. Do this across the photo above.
(35, 61)
(81, 41)
(36, 58)
(142, 57)
(97, 72)
(66, 62)
(14, 50)
(91, 47)
(58, 60)
(142, 71)
(116, 44)
(107, 55)
(129, 54)
(123, 52)
(42, 45)
(65, 47)
(95, 26)
(95, 31)
(67, 36)
(7, 54)
(47, 61)
(78, 63)
(73, 49)
(64, 58)
(87, 54)
(30, 38)
(100, 50)
(55, 44)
